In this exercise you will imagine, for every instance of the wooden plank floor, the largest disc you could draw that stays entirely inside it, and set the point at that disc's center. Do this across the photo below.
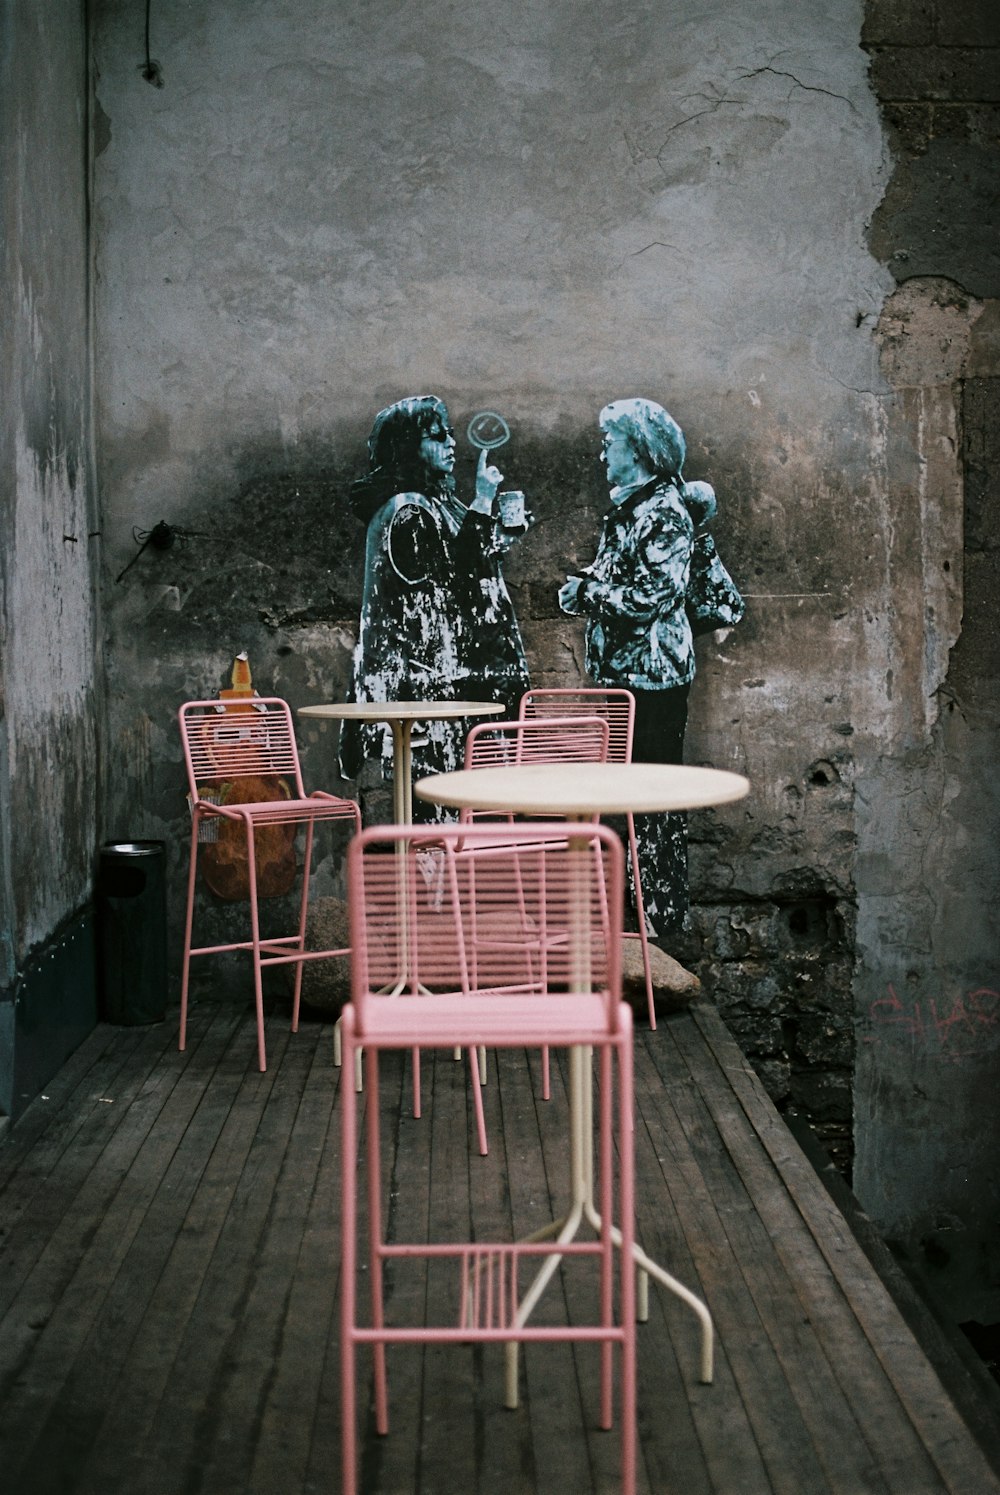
(169, 1268)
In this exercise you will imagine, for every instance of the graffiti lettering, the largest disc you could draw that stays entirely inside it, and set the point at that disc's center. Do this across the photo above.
(952, 1032)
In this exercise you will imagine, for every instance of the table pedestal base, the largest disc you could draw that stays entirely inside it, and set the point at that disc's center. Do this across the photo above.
(582, 1208)
(580, 791)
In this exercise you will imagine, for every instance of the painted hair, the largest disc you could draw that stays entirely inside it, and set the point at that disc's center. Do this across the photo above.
(394, 461)
(701, 503)
(655, 436)
(397, 431)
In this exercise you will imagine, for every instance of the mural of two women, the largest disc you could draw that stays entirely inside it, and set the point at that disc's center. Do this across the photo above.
(437, 621)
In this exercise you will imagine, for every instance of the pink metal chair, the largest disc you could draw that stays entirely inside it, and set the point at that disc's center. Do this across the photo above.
(518, 947)
(244, 778)
(574, 738)
(579, 738)
(617, 707)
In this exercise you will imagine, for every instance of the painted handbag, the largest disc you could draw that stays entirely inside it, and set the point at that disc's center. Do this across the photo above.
(712, 599)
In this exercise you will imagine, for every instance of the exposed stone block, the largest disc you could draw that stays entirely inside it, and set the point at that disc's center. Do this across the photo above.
(935, 73)
(924, 333)
(981, 440)
(968, 23)
(824, 1096)
(899, 23)
(937, 217)
(913, 125)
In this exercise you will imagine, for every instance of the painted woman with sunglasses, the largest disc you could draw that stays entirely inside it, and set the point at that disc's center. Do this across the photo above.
(437, 621)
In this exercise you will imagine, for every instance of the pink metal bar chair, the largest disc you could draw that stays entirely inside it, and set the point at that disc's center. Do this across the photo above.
(518, 947)
(580, 738)
(617, 706)
(244, 781)
(575, 738)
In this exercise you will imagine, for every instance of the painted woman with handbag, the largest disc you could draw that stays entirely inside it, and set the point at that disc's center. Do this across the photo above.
(655, 582)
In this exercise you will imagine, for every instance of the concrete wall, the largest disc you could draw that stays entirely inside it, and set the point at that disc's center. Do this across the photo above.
(928, 1134)
(532, 210)
(50, 692)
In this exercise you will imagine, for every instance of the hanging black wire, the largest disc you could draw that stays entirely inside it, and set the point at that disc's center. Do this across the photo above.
(150, 69)
(162, 536)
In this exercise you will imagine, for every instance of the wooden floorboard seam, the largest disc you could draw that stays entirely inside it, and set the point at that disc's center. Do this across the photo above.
(99, 1269)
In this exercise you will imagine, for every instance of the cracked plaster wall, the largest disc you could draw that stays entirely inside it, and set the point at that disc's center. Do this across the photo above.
(50, 690)
(325, 208)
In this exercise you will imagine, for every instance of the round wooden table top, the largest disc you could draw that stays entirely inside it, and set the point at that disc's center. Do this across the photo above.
(584, 788)
(395, 711)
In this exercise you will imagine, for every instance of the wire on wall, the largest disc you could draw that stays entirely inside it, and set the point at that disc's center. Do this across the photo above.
(150, 69)
(162, 537)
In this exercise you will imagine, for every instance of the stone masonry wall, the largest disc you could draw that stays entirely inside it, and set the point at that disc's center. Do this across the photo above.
(928, 985)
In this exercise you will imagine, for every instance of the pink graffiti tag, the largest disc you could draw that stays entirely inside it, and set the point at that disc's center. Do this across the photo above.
(951, 1033)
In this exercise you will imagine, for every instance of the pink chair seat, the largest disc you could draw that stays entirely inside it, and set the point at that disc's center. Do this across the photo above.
(513, 1022)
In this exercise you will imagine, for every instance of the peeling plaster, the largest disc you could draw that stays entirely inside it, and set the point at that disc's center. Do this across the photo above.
(49, 695)
(51, 688)
(926, 985)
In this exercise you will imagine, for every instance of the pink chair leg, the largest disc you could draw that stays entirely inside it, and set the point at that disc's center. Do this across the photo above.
(374, 1165)
(348, 1268)
(188, 924)
(640, 909)
(607, 1252)
(477, 1101)
(416, 1083)
(303, 914)
(626, 1194)
(258, 984)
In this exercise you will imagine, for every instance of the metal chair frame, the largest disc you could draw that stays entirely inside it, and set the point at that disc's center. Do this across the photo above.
(224, 742)
(574, 738)
(551, 977)
(616, 705)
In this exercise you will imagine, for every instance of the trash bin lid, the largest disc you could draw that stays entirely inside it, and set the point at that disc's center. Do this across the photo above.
(133, 848)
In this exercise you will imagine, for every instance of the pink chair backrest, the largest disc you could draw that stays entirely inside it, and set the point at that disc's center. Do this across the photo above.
(506, 925)
(614, 703)
(225, 740)
(573, 738)
(549, 739)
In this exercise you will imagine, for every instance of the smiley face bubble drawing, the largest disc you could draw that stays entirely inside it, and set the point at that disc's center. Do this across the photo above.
(487, 431)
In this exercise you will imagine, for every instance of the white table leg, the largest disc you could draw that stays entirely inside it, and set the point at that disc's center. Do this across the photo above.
(402, 762)
(402, 810)
(582, 1190)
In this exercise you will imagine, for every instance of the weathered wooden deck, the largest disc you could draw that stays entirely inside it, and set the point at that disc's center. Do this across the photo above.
(169, 1255)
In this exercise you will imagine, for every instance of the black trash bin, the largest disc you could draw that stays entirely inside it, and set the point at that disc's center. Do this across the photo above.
(132, 932)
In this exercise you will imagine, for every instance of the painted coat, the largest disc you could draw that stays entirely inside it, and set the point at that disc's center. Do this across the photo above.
(437, 622)
(656, 580)
(638, 633)
(655, 583)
